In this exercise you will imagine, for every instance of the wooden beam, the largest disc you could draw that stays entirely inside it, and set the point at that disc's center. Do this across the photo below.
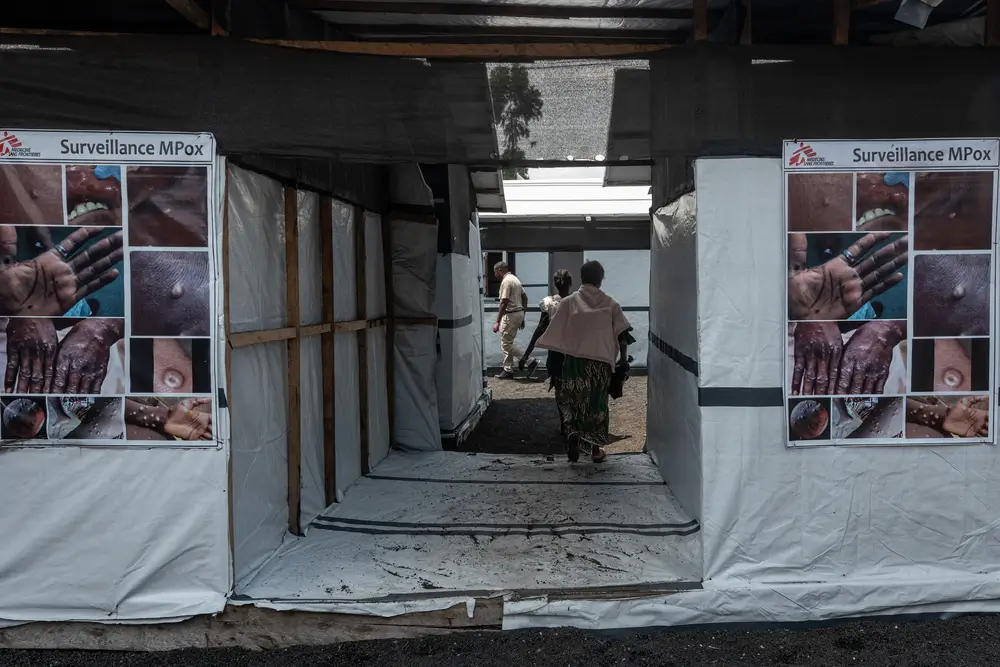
(294, 360)
(841, 22)
(329, 392)
(992, 23)
(248, 338)
(390, 330)
(568, 50)
(567, 11)
(193, 12)
(700, 20)
(361, 293)
(746, 36)
(492, 33)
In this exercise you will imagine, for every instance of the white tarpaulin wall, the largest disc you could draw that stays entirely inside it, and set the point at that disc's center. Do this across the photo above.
(116, 534)
(788, 535)
(414, 268)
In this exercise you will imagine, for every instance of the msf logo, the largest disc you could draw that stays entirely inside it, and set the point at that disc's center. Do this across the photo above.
(803, 153)
(8, 143)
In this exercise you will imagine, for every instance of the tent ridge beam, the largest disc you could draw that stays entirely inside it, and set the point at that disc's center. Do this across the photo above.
(565, 11)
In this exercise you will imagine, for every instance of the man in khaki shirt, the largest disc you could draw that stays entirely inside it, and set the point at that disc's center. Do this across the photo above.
(510, 318)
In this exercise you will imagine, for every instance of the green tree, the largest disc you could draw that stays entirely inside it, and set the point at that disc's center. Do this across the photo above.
(515, 104)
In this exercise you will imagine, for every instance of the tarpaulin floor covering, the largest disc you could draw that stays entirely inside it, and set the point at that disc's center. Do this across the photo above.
(455, 523)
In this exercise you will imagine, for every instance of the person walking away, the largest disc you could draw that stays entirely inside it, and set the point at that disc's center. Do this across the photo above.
(591, 331)
(548, 306)
(510, 319)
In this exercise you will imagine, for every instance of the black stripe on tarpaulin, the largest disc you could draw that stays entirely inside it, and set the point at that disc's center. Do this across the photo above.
(721, 397)
(741, 397)
(510, 482)
(535, 309)
(473, 532)
(455, 324)
(693, 523)
(684, 361)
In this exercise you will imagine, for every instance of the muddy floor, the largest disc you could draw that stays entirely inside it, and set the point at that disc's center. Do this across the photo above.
(965, 641)
(523, 420)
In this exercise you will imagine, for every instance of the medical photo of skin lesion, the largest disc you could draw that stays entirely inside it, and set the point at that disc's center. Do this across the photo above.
(868, 418)
(173, 419)
(23, 418)
(61, 272)
(170, 365)
(847, 276)
(847, 358)
(948, 416)
(85, 418)
(809, 419)
(951, 295)
(168, 206)
(94, 195)
(953, 211)
(170, 293)
(31, 194)
(49, 355)
(820, 202)
(882, 201)
(950, 365)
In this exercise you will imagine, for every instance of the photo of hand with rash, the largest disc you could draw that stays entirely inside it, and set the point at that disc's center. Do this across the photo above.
(60, 271)
(948, 416)
(839, 276)
(161, 418)
(847, 358)
(64, 355)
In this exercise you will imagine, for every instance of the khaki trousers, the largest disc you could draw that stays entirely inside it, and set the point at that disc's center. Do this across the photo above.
(512, 352)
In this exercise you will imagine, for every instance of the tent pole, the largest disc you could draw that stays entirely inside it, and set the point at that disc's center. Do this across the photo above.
(390, 330)
(329, 393)
(361, 292)
(294, 360)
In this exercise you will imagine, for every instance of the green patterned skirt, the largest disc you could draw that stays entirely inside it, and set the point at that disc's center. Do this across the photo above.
(582, 397)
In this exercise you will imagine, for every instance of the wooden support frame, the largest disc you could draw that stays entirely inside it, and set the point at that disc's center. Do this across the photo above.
(294, 360)
(841, 22)
(361, 292)
(700, 20)
(992, 36)
(227, 391)
(390, 331)
(329, 391)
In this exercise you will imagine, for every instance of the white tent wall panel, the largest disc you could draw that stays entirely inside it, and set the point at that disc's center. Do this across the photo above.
(626, 279)
(260, 453)
(867, 519)
(311, 472)
(673, 433)
(164, 511)
(347, 406)
(458, 377)
(256, 252)
(259, 395)
(378, 403)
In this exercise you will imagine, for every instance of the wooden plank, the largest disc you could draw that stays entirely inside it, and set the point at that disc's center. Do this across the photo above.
(390, 331)
(568, 10)
(329, 393)
(841, 22)
(226, 321)
(190, 10)
(294, 360)
(361, 292)
(247, 338)
(566, 50)
(700, 20)
(992, 23)
(316, 330)
(506, 34)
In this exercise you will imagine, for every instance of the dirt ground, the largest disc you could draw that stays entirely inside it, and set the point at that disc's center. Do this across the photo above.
(885, 643)
(523, 420)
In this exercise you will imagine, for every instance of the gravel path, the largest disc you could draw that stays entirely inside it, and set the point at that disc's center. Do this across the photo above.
(966, 641)
(523, 420)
